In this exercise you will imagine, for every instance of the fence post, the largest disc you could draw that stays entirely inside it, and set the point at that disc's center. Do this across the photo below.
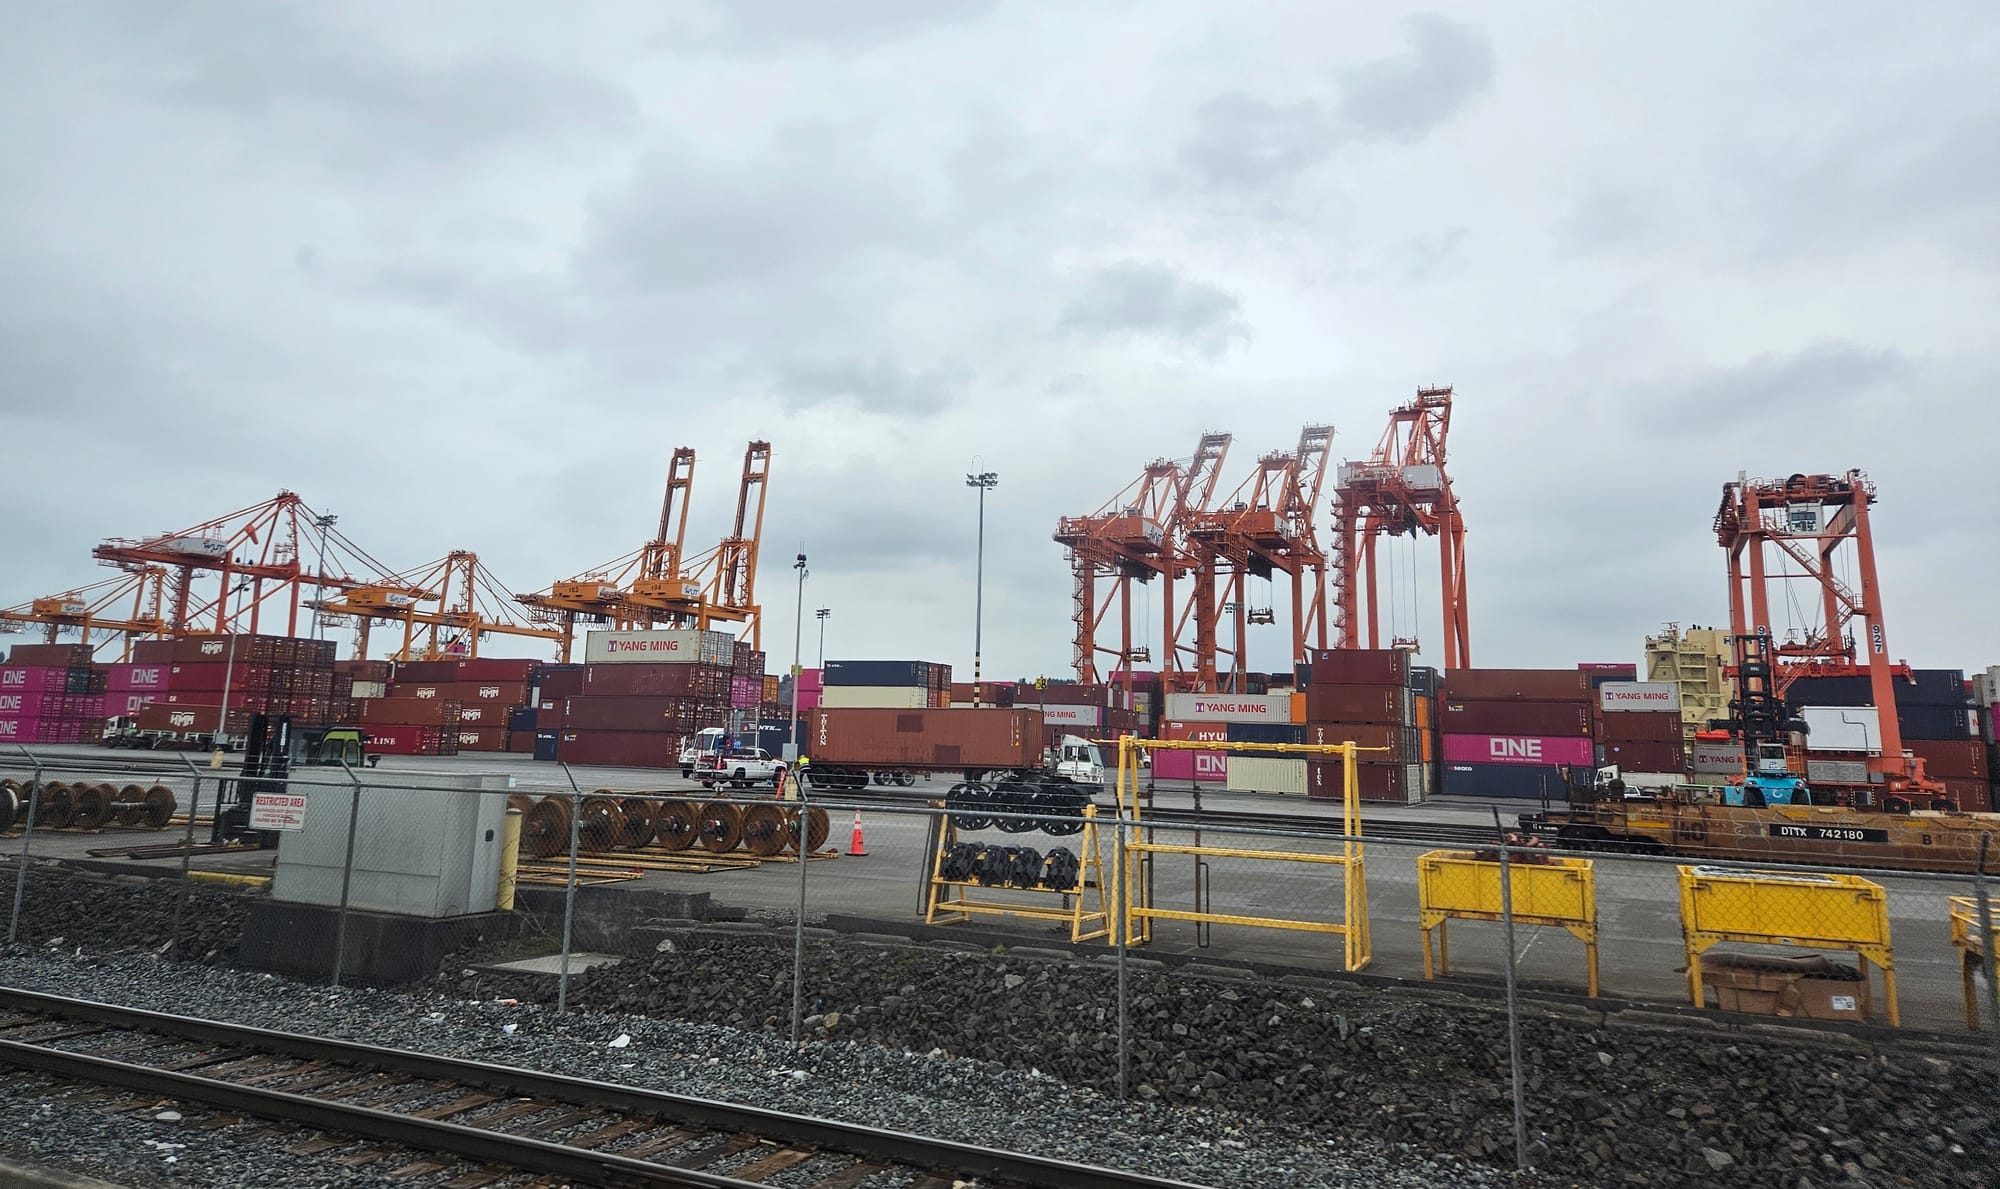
(1513, 1010)
(799, 921)
(1987, 959)
(187, 855)
(346, 873)
(27, 837)
(1121, 925)
(569, 888)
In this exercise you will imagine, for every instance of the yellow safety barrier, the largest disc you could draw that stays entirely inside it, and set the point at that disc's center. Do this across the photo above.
(1458, 885)
(230, 878)
(1135, 895)
(1971, 953)
(1809, 910)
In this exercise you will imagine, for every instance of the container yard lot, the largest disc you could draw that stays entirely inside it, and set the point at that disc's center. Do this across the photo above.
(1638, 908)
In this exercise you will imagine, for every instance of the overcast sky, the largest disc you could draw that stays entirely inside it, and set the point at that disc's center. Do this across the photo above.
(466, 274)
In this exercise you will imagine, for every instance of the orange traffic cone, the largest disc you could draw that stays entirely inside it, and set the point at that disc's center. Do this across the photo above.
(856, 847)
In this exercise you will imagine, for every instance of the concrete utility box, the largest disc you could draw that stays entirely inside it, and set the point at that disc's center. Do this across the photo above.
(429, 851)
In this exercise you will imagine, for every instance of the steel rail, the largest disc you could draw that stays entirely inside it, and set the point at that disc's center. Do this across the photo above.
(869, 1143)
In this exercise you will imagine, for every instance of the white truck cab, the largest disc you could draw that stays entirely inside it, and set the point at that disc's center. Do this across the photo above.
(701, 746)
(1077, 760)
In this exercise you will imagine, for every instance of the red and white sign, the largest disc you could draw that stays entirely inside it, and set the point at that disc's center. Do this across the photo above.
(1518, 749)
(1639, 695)
(1072, 716)
(1229, 707)
(278, 811)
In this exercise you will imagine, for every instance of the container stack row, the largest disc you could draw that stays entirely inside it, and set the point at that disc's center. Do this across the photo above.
(1936, 711)
(1510, 732)
(50, 693)
(1377, 699)
(885, 685)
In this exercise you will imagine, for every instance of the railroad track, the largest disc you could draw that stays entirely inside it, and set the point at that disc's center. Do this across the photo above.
(466, 1124)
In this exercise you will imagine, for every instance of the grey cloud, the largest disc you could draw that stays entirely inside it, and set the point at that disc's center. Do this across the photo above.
(318, 89)
(1602, 221)
(1403, 98)
(1824, 380)
(872, 385)
(1240, 140)
(1153, 301)
(763, 26)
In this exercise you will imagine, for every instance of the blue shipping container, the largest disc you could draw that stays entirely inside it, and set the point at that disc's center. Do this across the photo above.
(1524, 781)
(1934, 722)
(521, 718)
(1423, 682)
(545, 745)
(1263, 732)
(877, 673)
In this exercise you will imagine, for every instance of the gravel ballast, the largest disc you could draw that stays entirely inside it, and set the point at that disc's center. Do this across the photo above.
(972, 1101)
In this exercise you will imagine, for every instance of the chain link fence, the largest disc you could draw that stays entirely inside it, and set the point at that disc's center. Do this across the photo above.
(838, 915)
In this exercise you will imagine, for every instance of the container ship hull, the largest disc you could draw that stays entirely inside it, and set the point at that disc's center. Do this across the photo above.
(1922, 840)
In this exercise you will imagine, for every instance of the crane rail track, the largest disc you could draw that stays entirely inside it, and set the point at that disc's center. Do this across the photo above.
(628, 1136)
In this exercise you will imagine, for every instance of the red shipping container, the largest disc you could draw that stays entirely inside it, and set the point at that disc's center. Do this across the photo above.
(1400, 745)
(560, 681)
(194, 650)
(153, 652)
(637, 714)
(381, 671)
(1527, 749)
(424, 712)
(482, 738)
(33, 680)
(549, 714)
(1944, 759)
(162, 716)
(1644, 757)
(1064, 695)
(521, 742)
(620, 749)
(1459, 717)
(660, 681)
(1386, 704)
(1971, 796)
(1639, 727)
(408, 740)
(123, 679)
(1391, 783)
(519, 670)
(53, 656)
(497, 693)
(947, 739)
(20, 729)
(1360, 666)
(1536, 685)
(427, 672)
(483, 714)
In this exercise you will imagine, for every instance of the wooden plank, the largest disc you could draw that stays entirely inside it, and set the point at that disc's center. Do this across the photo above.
(420, 1168)
(777, 1161)
(456, 1107)
(672, 1139)
(604, 1135)
(721, 1149)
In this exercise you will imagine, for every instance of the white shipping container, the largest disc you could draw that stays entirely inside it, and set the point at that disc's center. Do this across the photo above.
(371, 689)
(1843, 728)
(881, 697)
(1265, 774)
(1652, 780)
(1639, 695)
(1719, 759)
(1229, 707)
(1836, 771)
(1071, 716)
(671, 646)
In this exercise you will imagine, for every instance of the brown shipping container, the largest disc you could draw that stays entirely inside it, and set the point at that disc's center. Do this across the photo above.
(1951, 759)
(658, 681)
(482, 738)
(410, 712)
(1360, 666)
(1538, 685)
(159, 716)
(365, 670)
(1459, 717)
(1384, 704)
(153, 652)
(482, 714)
(991, 693)
(1375, 782)
(497, 668)
(1637, 727)
(1063, 695)
(955, 739)
(638, 714)
(560, 681)
(1647, 757)
(621, 749)
(521, 742)
(1401, 744)
(50, 656)
(497, 693)
(427, 672)
(549, 713)
(1971, 796)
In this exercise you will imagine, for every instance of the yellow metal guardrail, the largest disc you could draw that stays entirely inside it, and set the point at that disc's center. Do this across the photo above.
(1971, 951)
(1136, 901)
(1813, 911)
(1457, 885)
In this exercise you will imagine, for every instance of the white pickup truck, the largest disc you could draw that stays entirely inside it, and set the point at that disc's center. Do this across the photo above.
(742, 768)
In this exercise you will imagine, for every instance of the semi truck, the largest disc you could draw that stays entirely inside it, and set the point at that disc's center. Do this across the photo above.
(847, 747)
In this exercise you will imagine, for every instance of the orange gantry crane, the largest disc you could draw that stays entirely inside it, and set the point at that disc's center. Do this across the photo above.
(1403, 489)
(259, 551)
(1137, 536)
(1263, 529)
(658, 584)
(99, 610)
(469, 604)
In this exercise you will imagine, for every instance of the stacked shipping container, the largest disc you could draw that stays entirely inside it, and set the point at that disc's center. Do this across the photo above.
(885, 685)
(1507, 732)
(1638, 730)
(642, 695)
(1935, 711)
(1376, 698)
(51, 693)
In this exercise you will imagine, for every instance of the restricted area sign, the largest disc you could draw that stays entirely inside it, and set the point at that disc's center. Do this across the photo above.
(277, 811)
